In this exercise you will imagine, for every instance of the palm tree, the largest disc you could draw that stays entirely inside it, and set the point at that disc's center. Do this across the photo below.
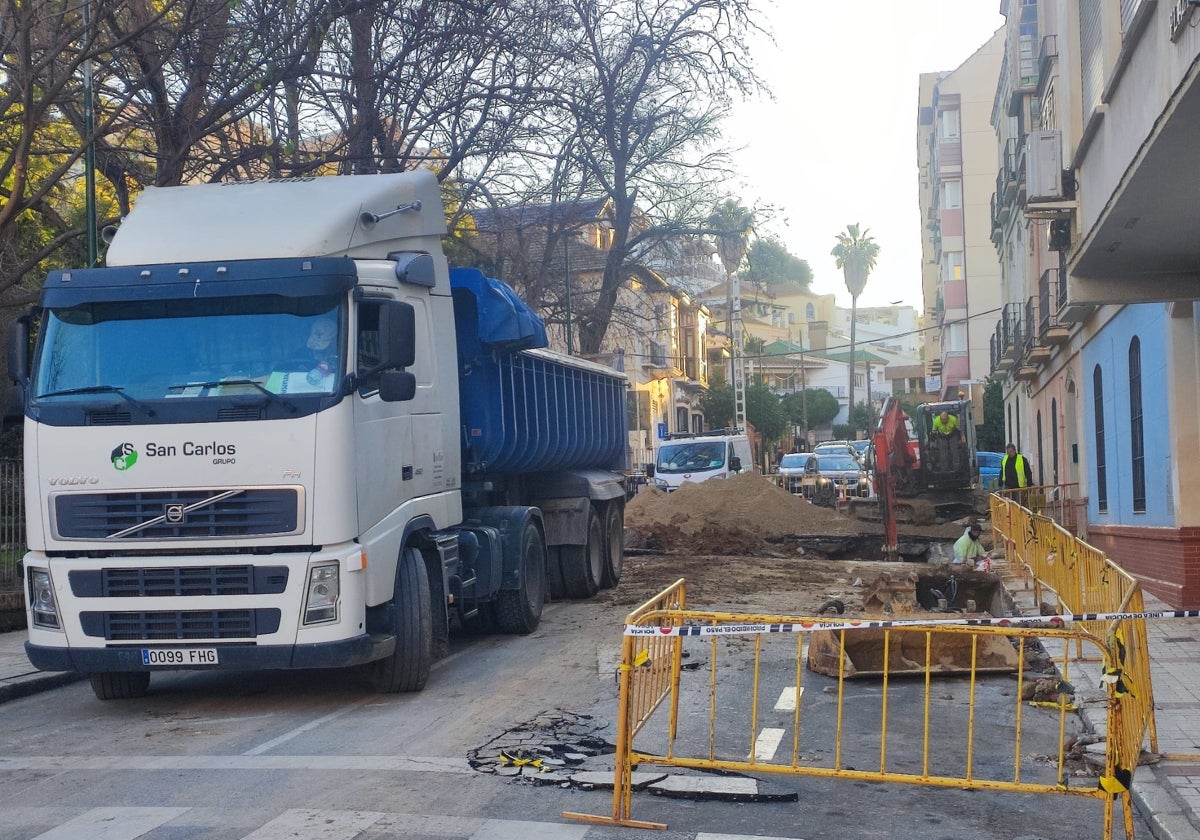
(855, 255)
(732, 223)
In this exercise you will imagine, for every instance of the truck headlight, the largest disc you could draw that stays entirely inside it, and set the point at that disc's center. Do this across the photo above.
(661, 484)
(320, 604)
(42, 602)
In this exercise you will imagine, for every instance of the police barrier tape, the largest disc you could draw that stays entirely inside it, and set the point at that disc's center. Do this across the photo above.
(1044, 621)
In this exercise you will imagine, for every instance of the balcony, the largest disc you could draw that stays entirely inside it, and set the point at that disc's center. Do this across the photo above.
(1051, 332)
(1035, 352)
(1007, 179)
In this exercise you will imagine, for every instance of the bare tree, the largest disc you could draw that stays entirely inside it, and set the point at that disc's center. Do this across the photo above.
(648, 86)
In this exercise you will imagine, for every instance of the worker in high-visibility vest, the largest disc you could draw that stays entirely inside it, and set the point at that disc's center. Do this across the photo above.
(947, 440)
(1015, 472)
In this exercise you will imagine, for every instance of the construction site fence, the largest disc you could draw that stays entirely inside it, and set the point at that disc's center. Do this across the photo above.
(959, 729)
(1070, 576)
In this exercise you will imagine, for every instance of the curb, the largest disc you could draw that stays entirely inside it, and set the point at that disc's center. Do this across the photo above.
(25, 685)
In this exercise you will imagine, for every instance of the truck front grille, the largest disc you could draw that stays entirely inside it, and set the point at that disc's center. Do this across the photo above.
(165, 625)
(194, 513)
(178, 581)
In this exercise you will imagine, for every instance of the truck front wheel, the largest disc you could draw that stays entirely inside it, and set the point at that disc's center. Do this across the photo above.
(407, 668)
(120, 685)
(519, 610)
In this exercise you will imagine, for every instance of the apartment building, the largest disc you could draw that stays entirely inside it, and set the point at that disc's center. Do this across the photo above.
(956, 152)
(1094, 218)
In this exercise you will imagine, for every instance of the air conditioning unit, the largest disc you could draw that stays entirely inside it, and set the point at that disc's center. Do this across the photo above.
(1043, 166)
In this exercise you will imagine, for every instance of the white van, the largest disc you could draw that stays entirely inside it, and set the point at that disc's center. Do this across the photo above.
(699, 457)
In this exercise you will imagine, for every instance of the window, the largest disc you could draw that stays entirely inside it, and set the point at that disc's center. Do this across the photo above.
(810, 312)
(682, 420)
(1054, 441)
(1041, 458)
(950, 128)
(952, 195)
(1137, 441)
(952, 266)
(1101, 466)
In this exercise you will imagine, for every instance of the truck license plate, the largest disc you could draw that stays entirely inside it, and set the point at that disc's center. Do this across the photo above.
(179, 656)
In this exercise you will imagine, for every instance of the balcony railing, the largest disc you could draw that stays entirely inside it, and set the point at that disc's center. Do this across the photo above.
(1050, 299)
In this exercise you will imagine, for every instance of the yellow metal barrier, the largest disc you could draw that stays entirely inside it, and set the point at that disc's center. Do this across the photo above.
(956, 746)
(1085, 581)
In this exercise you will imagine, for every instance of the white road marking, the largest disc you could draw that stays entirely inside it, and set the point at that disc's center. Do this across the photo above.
(788, 699)
(389, 763)
(707, 836)
(312, 824)
(766, 743)
(312, 724)
(520, 830)
(112, 823)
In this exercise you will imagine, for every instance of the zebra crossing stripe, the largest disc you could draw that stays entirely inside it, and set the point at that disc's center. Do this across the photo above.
(312, 824)
(788, 698)
(766, 743)
(112, 823)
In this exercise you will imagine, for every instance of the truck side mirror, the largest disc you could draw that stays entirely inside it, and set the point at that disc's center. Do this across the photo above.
(735, 464)
(397, 329)
(397, 386)
(18, 351)
(650, 470)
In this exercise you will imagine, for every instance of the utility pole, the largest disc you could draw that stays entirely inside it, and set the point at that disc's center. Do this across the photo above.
(739, 356)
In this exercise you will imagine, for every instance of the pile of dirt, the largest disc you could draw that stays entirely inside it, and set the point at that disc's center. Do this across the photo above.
(739, 515)
(733, 516)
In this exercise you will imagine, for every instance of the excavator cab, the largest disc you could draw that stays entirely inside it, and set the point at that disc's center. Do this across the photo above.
(946, 431)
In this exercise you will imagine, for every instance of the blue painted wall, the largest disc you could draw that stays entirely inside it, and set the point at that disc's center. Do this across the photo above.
(1110, 349)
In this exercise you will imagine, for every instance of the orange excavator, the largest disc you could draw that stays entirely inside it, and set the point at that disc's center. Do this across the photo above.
(926, 474)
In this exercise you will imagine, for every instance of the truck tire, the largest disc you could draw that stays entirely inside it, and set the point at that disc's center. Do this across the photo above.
(614, 543)
(407, 668)
(583, 565)
(120, 685)
(555, 587)
(519, 610)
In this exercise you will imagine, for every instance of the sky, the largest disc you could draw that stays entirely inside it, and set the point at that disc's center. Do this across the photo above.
(838, 144)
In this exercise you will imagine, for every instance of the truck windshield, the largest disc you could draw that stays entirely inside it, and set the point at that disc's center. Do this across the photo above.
(689, 457)
(179, 349)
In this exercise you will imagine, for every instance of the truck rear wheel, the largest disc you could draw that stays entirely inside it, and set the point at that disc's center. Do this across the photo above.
(407, 668)
(519, 610)
(614, 543)
(120, 685)
(583, 565)
(555, 588)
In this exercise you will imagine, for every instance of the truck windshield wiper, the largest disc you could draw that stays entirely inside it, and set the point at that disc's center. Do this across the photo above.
(100, 389)
(217, 383)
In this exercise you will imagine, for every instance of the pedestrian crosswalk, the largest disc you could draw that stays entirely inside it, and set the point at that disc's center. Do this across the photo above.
(128, 823)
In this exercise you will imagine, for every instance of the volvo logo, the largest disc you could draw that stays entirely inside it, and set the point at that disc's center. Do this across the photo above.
(72, 480)
(173, 514)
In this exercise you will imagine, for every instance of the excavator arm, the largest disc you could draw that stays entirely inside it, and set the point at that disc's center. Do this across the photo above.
(894, 467)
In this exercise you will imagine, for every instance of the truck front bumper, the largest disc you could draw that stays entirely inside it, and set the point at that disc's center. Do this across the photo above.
(338, 654)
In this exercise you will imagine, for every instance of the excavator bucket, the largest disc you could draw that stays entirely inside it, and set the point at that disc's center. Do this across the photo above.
(952, 593)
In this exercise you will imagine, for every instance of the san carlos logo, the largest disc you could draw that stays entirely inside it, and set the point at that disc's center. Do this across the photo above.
(124, 456)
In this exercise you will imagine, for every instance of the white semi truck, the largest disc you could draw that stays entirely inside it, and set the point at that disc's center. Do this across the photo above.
(277, 431)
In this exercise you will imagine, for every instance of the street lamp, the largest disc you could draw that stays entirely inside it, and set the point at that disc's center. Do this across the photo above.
(567, 236)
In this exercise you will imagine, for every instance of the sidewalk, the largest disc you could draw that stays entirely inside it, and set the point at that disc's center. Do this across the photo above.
(1167, 794)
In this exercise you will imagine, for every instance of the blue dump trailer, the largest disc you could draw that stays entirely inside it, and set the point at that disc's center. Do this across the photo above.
(299, 443)
(540, 430)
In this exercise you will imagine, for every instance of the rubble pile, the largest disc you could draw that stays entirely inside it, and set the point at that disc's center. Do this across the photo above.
(732, 516)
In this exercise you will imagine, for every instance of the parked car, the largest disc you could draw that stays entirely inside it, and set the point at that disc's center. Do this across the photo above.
(828, 475)
(791, 470)
(834, 447)
(989, 469)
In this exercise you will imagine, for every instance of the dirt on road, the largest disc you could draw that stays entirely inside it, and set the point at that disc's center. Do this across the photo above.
(739, 544)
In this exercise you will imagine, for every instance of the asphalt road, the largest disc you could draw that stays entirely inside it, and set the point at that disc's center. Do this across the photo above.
(318, 756)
